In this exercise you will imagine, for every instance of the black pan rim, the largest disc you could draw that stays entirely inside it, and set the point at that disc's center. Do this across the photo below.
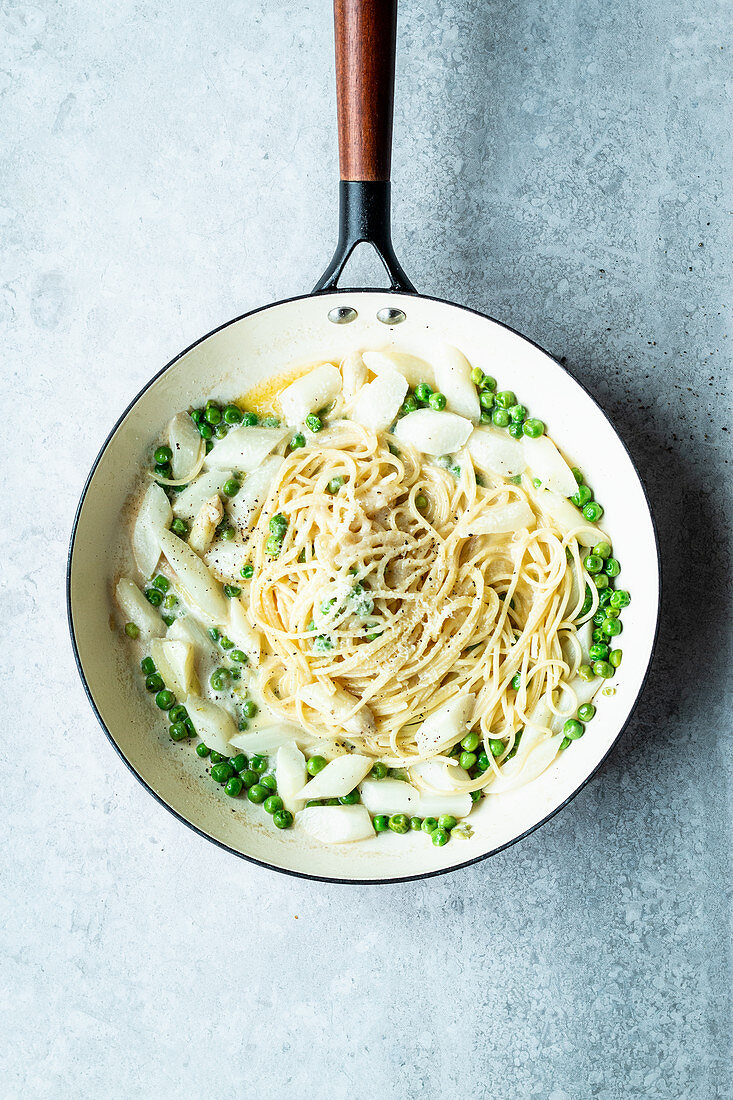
(220, 844)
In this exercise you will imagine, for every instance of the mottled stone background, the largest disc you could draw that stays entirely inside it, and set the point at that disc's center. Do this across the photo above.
(563, 165)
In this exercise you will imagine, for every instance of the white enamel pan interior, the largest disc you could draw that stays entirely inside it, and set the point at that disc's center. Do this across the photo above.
(225, 365)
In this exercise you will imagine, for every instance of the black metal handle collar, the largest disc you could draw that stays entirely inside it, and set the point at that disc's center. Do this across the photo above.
(364, 216)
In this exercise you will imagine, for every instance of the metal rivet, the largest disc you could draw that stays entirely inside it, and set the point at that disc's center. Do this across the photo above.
(391, 316)
(342, 315)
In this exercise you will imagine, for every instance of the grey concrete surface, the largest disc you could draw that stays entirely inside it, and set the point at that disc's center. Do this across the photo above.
(563, 166)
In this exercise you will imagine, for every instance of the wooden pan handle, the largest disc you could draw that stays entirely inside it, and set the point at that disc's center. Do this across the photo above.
(365, 33)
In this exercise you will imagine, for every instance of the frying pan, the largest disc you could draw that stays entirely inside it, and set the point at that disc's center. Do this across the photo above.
(328, 323)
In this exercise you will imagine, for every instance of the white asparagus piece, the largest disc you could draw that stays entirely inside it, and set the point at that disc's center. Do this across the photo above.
(433, 432)
(502, 518)
(213, 724)
(271, 738)
(337, 824)
(389, 796)
(453, 380)
(204, 526)
(291, 774)
(548, 465)
(378, 403)
(186, 444)
(174, 660)
(438, 775)
(446, 725)
(311, 393)
(225, 560)
(138, 610)
(154, 515)
(241, 631)
(335, 709)
(414, 369)
(457, 803)
(245, 507)
(245, 448)
(567, 517)
(495, 452)
(337, 778)
(354, 375)
(194, 577)
(190, 500)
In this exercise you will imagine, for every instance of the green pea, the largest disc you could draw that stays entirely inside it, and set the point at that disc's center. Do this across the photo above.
(615, 657)
(258, 763)
(437, 401)
(247, 571)
(273, 803)
(147, 665)
(600, 580)
(154, 596)
(581, 498)
(517, 413)
(486, 400)
(178, 713)
(620, 598)
(488, 383)
(586, 673)
(179, 527)
(477, 376)
(232, 415)
(423, 393)
(586, 712)
(315, 765)
(593, 563)
(197, 415)
(216, 757)
(283, 819)
(248, 777)
(222, 772)
(598, 652)
(470, 742)
(132, 631)
(249, 419)
(313, 423)
(483, 761)
(257, 793)
(573, 729)
(439, 837)
(515, 431)
(232, 591)
(410, 404)
(505, 399)
(381, 823)
(278, 525)
(605, 597)
(516, 681)
(270, 782)
(202, 750)
(612, 567)
(218, 679)
(534, 428)
(379, 770)
(270, 422)
(350, 799)
(421, 502)
(604, 669)
(602, 550)
(154, 682)
(500, 417)
(399, 823)
(178, 731)
(334, 485)
(297, 441)
(599, 617)
(577, 475)
(226, 643)
(429, 824)
(447, 821)
(163, 455)
(249, 709)
(467, 760)
(205, 430)
(497, 747)
(170, 601)
(239, 762)
(587, 602)
(165, 699)
(485, 417)
(238, 656)
(598, 635)
(232, 487)
(233, 786)
(564, 743)
(612, 627)
(593, 511)
(163, 472)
